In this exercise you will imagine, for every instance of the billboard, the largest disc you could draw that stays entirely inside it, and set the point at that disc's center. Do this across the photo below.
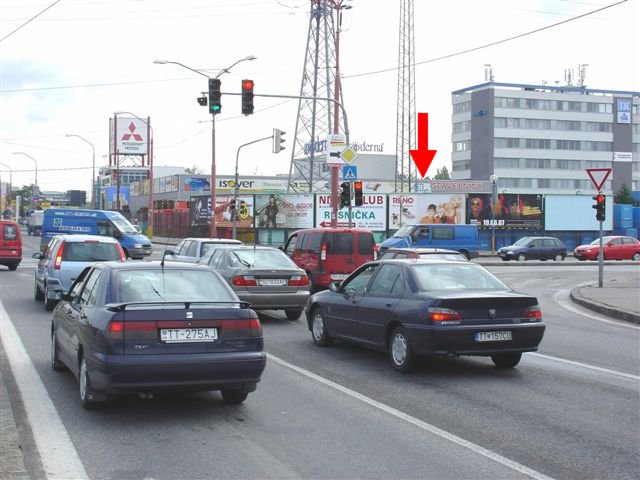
(131, 136)
(284, 211)
(575, 212)
(509, 211)
(407, 209)
(371, 215)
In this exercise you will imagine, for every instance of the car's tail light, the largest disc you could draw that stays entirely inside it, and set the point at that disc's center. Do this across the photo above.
(249, 327)
(244, 281)
(323, 252)
(134, 330)
(58, 261)
(121, 253)
(299, 281)
(444, 316)
(375, 251)
(532, 313)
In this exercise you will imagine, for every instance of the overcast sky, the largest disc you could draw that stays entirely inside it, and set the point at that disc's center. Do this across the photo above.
(69, 69)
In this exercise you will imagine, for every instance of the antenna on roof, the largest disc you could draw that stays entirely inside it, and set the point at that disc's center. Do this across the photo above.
(488, 73)
(582, 68)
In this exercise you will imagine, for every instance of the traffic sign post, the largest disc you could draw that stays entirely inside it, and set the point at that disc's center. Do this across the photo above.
(598, 176)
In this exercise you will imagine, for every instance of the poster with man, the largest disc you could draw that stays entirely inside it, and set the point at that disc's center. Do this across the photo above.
(509, 210)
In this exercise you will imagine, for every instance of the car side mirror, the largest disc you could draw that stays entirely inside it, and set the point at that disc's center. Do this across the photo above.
(37, 255)
(334, 286)
(169, 252)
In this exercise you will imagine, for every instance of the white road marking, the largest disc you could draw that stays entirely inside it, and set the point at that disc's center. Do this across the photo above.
(567, 303)
(59, 457)
(416, 422)
(616, 373)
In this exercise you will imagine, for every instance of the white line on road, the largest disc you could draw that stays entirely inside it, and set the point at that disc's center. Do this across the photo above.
(587, 366)
(416, 422)
(59, 457)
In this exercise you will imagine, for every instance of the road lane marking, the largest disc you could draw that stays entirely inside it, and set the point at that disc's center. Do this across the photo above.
(567, 303)
(414, 421)
(629, 376)
(57, 452)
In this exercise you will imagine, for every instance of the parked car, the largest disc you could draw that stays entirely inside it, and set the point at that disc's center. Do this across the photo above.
(614, 248)
(263, 276)
(440, 253)
(192, 249)
(64, 258)
(10, 244)
(330, 254)
(463, 238)
(534, 248)
(427, 307)
(147, 327)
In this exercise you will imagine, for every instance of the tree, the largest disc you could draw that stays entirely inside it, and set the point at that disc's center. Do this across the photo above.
(623, 195)
(442, 174)
(195, 170)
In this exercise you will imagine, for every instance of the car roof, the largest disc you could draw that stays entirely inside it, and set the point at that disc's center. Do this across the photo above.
(332, 230)
(152, 265)
(257, 247)
(423, 250)
(77, 238)
(214, 240)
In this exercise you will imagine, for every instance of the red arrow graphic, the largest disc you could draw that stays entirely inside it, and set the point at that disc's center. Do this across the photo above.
(423, 156)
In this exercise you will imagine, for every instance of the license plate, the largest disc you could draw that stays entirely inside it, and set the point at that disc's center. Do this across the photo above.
(188, 335)
(272, 281)
(493, 336)
(339, 276)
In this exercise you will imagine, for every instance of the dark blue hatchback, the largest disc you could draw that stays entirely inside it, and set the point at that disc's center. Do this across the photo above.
(151, 327)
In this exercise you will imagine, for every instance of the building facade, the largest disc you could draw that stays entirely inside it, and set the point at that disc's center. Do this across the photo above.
(542, 139)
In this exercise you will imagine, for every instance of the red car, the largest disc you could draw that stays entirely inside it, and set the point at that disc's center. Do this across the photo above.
(615, 248)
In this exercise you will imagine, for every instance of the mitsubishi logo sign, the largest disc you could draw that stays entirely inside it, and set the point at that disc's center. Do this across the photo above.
(131, 135)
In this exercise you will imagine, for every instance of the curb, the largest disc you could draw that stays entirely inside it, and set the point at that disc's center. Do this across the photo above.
(617, 313)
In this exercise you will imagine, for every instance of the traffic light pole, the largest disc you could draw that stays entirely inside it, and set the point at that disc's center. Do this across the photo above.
(600, 260)
(351, 192)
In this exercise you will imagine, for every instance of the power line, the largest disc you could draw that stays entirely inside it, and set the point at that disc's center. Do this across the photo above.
(487, 45)
(28, 21)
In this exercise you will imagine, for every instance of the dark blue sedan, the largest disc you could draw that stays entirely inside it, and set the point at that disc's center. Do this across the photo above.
(416, 307)
(145, 327)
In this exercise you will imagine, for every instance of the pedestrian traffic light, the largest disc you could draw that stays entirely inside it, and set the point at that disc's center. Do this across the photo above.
(214, 96)
(345, 194)
(599, 206)
(357, 193)
(278, 140)
(247, 97)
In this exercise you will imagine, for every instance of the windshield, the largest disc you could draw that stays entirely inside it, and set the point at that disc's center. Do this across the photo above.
(597, 241)
(256, 258)
(455, 276)
(404, 231)
(121, 223)
(522, 242)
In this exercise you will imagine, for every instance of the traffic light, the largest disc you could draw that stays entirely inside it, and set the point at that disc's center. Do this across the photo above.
(357, 193)
(214, 96)
(278, 140)
(247, 97)
(599, 206)
(345, 194)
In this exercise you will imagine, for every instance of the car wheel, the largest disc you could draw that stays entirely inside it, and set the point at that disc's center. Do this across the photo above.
(522, 257)
(400, 351)
(319, 331)
(636, 256)
(506, 360)
(234, 396)
(56, 364)
(87, 394)
(293, 313)
(559, 257)
(505, 259)
(37, 293)
(48, 304)
(13, 267)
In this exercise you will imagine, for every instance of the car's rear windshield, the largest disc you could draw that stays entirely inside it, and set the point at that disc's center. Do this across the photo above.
(169, 285)
(256, 258)
(340, 243)
(455, 276)
(90, 251)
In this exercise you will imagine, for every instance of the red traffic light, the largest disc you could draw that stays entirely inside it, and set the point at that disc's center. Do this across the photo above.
(600, 198)
(247, 84)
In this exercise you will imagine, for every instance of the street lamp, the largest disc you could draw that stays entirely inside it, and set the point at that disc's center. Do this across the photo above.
(37, 190)
(93, 166)
(213, 230)
(494, 193)
(150, 175)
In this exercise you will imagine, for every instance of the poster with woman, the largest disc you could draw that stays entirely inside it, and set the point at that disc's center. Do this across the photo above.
(426, 208)
(284, 211)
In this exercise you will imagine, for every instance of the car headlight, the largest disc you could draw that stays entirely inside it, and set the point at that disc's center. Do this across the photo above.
(137, 245)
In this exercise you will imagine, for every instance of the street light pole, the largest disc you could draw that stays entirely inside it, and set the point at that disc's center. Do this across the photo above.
(213, 232)
(494, 194)
(93, 166)
(36, 162)
(150, 136)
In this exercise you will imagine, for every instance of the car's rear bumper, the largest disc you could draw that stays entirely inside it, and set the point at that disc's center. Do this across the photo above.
(461, 340)
(275, 301)
(199, 372)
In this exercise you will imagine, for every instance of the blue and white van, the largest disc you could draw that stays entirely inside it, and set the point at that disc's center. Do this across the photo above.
(463, 238)
(95, 222)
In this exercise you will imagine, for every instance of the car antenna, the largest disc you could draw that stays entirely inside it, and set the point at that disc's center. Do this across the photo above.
(164, 253)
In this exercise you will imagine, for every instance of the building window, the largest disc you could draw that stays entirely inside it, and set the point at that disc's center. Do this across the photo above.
(461, 146)
(568, 164)
(507, 162)
(597, 146)
(460, 127)
(599, 107)
(538, 163)
(538, 143)
(462, 107)
(567, 144)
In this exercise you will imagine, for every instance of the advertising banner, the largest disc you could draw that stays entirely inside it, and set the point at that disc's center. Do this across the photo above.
(574, 212)
(225, 211)
(510, 210)
(371, 215)
(196, 184)
(407, 209)
(284, 211)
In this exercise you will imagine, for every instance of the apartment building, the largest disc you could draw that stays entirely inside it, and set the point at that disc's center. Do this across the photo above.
(542, 139)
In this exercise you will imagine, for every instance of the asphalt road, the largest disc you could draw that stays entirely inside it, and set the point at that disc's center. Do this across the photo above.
(569, 411)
